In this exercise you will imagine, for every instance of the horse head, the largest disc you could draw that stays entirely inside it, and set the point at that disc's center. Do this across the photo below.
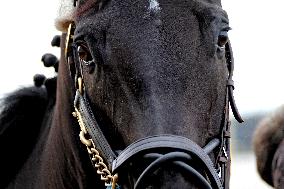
(153, 76)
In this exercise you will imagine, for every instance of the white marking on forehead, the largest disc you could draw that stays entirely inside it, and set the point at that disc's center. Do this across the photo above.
(154, 5)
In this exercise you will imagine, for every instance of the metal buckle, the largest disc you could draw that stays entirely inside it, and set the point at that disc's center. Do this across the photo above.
(225, 153)
(220, 172)
(80, 85)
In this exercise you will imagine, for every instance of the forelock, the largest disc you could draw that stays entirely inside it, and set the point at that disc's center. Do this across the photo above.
(67, 11)
(84, 6)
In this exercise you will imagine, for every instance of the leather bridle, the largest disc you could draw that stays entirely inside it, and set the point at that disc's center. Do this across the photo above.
(160, 149)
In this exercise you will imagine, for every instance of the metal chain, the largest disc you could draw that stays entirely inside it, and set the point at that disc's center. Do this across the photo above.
(98, 161)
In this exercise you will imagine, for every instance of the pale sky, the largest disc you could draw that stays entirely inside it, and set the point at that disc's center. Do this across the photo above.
(27, 28)
(257, 39)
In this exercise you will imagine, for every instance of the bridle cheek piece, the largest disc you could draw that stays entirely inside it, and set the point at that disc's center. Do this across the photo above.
(161, 149)
(89, 135)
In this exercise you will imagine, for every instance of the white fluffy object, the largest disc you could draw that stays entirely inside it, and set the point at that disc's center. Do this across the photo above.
(65, 15)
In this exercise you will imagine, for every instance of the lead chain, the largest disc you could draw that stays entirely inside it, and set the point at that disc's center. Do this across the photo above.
(102, 169)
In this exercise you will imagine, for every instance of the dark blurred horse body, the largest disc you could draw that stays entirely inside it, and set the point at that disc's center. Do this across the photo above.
(268, 143)
(157, 68)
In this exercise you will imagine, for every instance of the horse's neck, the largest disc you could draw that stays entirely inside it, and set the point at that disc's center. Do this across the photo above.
(65, 161)
(20, 131)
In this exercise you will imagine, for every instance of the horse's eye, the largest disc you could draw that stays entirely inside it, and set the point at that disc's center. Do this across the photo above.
(84, 55)
(222, 39)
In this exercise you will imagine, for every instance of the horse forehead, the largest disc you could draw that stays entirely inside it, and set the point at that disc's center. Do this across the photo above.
(88, 14)
(152, 5)
(92, 2)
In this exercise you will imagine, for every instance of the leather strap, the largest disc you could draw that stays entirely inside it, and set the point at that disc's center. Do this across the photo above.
(173, 142)
(177, 159)
(93, 129)
(230, 83)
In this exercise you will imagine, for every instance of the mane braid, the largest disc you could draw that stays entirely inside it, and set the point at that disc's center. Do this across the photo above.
(84, 6)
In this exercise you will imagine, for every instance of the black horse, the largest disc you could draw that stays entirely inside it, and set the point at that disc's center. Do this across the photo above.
(156, 69)
(268, 143)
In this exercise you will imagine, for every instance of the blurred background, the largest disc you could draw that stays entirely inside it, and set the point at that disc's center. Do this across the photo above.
(27, 28)
(257, 39)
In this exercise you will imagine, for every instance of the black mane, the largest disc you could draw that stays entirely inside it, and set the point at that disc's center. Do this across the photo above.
(21, 118)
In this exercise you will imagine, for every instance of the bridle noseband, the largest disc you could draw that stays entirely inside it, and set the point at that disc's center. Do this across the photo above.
(160, 149)
(179, 151)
